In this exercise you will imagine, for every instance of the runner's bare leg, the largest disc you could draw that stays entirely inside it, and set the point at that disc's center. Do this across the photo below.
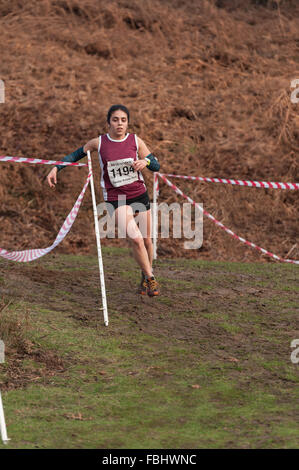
(145, 221)
(125, 221)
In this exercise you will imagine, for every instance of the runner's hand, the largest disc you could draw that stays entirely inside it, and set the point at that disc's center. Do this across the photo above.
(52, 177)
(139, 165)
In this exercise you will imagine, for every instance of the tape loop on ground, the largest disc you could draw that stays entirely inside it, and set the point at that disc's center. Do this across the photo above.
(30, 255)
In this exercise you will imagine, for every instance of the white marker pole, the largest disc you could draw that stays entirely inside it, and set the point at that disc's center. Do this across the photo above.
(155, 220)
(2, 424)
(98, 238)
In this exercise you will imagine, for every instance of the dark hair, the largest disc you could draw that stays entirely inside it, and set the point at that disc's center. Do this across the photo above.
(116, 107)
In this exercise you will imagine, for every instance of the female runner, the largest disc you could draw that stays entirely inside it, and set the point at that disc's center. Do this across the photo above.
(123, 157)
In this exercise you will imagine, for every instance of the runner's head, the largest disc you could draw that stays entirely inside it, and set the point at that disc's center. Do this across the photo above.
(117, 107)
(118, 120)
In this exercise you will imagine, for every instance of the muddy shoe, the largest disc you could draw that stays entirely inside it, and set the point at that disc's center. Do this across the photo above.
(152, 287)
(143, 286)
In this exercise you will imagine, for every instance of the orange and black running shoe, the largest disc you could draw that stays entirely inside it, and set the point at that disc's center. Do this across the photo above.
(152, 287)
(143, 285)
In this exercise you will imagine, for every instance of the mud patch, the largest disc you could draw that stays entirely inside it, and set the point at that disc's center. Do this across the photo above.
(43, 365)
(26, 360)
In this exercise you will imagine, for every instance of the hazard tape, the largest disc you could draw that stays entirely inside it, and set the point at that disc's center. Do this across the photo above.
(30, 255)
(4, 158)
(156, 183)
(250, 184)
(219, 224)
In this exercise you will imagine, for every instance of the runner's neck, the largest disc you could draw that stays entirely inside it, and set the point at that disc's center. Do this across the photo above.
(115, 139)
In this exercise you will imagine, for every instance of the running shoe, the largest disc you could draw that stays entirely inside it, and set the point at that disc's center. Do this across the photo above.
(152, 287)
(143, 285)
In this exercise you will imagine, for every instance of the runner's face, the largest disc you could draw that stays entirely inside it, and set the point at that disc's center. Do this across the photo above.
(118, 124)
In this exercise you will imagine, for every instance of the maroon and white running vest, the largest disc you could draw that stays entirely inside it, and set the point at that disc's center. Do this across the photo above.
(118, 177)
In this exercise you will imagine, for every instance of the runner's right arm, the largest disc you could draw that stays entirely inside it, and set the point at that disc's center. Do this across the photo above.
(72, 157)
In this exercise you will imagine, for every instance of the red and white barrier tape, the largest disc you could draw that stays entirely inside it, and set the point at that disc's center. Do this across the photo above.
(156, 183)
(4, 158)
(250, 184)
(230, 232)
(30, 255)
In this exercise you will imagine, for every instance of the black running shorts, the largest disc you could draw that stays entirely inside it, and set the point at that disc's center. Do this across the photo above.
(139, 204)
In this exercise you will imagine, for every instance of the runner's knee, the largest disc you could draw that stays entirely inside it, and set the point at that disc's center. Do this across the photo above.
(147, 242)
(137, 242)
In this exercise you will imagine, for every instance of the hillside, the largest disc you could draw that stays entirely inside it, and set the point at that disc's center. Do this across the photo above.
(208, 86)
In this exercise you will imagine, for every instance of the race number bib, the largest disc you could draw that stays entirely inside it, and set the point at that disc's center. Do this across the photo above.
(121, 172)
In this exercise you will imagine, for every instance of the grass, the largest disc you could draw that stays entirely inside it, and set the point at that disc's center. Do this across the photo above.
(167, 375)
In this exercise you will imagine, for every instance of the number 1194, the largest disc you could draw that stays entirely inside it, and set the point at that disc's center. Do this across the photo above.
(125, 170)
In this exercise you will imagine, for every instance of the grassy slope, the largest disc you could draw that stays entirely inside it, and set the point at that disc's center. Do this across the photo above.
(207, 364)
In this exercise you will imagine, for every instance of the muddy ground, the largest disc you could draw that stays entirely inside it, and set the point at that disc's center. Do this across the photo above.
(226, 312)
